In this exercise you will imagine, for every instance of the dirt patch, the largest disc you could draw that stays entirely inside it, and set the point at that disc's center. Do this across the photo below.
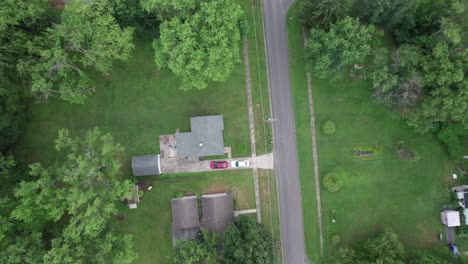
(428, 237)
(215, 189)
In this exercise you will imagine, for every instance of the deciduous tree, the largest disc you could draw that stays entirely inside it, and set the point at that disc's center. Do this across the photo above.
(80, 195)
(202, 47)
(86, 38)
(347, 42)
(246, 241)
(321, 13)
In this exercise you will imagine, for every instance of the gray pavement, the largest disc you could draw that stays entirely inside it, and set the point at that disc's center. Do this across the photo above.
(176, 165)
(286, 162)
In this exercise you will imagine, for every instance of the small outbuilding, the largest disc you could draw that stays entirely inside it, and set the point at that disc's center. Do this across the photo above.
(146, 165)
(462, 195)
(218, 211)
(185, 218)
(450, 218)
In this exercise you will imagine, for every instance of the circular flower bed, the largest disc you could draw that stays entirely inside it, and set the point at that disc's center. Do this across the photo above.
(329, 127)
(332, 181)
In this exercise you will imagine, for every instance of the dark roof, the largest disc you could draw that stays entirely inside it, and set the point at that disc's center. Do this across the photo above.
(185, 219)
(145, 165)
(218, 211)
(465, 199)
(205, 139)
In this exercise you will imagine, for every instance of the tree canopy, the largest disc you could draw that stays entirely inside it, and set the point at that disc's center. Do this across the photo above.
(197, 251)
(87, 37)
(71, 206)
(246, 241)
(200, 47)
(321, 13)
(347, 42)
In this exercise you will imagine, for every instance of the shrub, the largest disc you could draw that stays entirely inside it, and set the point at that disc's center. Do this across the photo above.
(329, 127)
(335, 239)
(332, 181)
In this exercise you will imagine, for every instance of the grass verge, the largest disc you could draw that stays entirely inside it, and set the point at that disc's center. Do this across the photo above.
(270, 210)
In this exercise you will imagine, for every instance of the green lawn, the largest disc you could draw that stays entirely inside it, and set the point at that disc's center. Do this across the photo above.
(150, 223)
(136, 104)
(258, 74)
(378, 193)
(270, 209)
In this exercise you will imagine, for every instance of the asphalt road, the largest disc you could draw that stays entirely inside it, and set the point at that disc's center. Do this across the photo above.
(286, 162)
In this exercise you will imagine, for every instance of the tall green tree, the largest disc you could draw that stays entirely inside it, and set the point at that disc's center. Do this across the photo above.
(395, 15)
(347, 42)
(396, 79)
(321, 14)
(79, 196)
(246, 241)
(87, 37)
(383, 248)
(20, 21)
(197, 251)
(202, 47)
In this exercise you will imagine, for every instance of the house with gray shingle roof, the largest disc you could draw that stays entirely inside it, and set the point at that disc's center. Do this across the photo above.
(218, 211)
(185, 219)
(205, 138)
(146, 165)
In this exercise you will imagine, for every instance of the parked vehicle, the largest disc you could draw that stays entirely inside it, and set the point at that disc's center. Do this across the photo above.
(219, 164)
(240, 163)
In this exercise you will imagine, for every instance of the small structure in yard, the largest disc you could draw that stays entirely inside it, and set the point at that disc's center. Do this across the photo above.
(450, 218)
(218, 211)
(205, 139)
(462, 195)
(185, 218)
(146, 165)
(134, 199)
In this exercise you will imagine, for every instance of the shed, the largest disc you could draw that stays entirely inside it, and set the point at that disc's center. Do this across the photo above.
(218, 211)
(450, 218)
(146, 165)
(205, 138)
(185, 218)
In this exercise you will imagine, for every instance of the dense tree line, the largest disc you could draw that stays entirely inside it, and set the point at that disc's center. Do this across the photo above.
(424, 77)
(386, 248)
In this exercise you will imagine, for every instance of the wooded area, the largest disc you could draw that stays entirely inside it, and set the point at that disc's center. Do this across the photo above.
(423, 78)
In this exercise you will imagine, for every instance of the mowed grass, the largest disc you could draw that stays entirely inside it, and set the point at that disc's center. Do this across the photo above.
(303, 135)
(377, 194)
(270, 209)
(259, 78)
(136, 104)
(150, 224)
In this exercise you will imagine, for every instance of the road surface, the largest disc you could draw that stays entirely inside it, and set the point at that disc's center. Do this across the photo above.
(286, 162)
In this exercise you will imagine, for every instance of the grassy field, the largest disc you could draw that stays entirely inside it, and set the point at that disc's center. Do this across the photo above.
(378, 193)
(150, 223)
(270, 209)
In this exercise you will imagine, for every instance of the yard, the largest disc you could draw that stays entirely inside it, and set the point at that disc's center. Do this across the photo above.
(136, 103)
(379, 192)
(150, 223)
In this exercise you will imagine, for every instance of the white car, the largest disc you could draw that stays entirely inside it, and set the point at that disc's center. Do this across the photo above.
(240, 163)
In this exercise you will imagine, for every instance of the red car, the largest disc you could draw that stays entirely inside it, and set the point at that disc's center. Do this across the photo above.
(219, 165)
